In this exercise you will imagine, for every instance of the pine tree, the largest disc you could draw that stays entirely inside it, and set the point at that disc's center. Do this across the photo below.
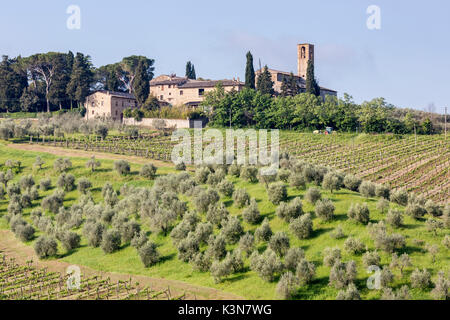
(292, 85)
(141, 84)
(193, 75)
(250, 72)
(265, 83)
(311, 83)
(81, 78)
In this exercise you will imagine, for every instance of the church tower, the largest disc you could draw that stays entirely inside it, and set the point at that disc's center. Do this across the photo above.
(305, 54)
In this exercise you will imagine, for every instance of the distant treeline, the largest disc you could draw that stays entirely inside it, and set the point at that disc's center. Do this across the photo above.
(251, 108)
(57, 81)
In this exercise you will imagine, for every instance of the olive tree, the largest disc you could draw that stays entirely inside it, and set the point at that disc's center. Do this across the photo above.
(382, 191)
(302, 227)
(313, 195)
(122, 167)
(279, 243)
(45, 247)
(111, 241)
(84, 185)
(241, 198)
(287, 285)
(293, 258)
(148, 171)
(263, 232)
(251, 213)
(149, 254)
(325, 209)
(359, 212)
(66, 182)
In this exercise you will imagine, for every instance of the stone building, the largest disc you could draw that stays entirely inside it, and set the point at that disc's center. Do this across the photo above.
(109, 104)
(305, 53)
(174, 90)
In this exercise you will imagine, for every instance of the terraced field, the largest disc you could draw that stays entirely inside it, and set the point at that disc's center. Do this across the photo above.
(419, 164)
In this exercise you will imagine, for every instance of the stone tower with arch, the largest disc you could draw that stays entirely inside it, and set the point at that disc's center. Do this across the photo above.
(305, 54)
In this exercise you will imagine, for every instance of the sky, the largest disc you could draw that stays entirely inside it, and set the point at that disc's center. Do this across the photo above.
(406, 61)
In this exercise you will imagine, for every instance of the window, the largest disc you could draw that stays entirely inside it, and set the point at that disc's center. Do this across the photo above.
(93, 112)
(170, 86)
(201, 92)
(161, 98)
(170, 93)
(181, 92)
(117, 104)
(116, 112)
(162, 88)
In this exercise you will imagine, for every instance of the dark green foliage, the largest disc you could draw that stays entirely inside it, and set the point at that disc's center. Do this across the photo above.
(122, 167)
(265, 83)
(249, 72)
(311, 84)
(149, 254)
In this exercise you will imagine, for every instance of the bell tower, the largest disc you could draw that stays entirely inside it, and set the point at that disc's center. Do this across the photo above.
(305, 54)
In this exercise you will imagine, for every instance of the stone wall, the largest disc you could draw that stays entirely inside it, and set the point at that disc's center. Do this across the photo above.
(170, 123)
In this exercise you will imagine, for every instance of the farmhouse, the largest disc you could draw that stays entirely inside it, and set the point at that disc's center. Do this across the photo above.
(174, 90)
(109, 104)
(305, 54)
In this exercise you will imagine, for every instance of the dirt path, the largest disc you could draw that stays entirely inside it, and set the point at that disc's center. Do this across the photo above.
(13, 248)
(86, 154)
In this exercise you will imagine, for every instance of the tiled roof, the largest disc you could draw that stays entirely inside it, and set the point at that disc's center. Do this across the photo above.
(210, 83)
(118, 94)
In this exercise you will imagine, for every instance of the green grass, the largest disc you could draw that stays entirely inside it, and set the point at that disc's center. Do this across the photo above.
(247, 284)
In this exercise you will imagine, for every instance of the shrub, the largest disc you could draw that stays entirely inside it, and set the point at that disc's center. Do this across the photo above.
(188, 248)
(290, 211)
(441, 289)
(279, 243)
(66, 182)
(287, 286)
(122, 167)
(390, 242)
(415, 210)
(26, 182)
(367, 189)
(13, 189)
(331, 256)
(354, 246)
(232, 230)
(203, 231)
(401, 294)
(394, 218)
(216, 247)
(400, 197)
(221, 269)
(70, 240)
(139, 240)
(302, 227)
(277, 193)
(180, 166)
(359, 212)
(263, 232)
(266, 265)
(251, 213)
(62, 165)
(293, 258)
(342, 274)
(111, 241)
(53, 202)
(386, 277)
(33, 193)
(93, 164)
(351, 293)
(201, 262)
(332, 181)
(325, 209)
(226, 188)
(247, 243)
(217, 213)
(283, 175)
(337, 233)
(149, 254)
(371, 258)
(45, 184)
(305, 271)
(313, 195)
(25, 232)
(382, 191)
(420, 279)
(148, 171)
(382, 205)
(234, 170)
(2, 193)
(446, 241)
(129, 230)
(201, 175)
(249, 173)
(84, 185)
(433, 209)
(94, 233)
(205, 198)
(433, 225)
(241, 198)
(45, 247)
(297, 180)
(352, 182)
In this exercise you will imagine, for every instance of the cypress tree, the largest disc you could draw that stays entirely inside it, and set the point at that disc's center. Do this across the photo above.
(190, 71)
(81, 78)
(141, 84)
(265, 83)
(311, 83)
(249, 72)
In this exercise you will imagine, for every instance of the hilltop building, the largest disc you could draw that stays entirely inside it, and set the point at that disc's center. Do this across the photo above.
(109, 104)
(305, 53)
(174, 90)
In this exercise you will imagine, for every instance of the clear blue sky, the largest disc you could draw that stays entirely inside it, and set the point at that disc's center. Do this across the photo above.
(407, 61)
